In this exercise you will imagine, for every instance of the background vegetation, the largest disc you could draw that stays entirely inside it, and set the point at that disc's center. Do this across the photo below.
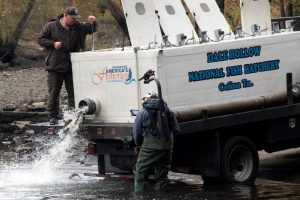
(23, 19)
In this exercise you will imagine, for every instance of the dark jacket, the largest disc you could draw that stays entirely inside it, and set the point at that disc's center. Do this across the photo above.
(143, 125)
(72, 39)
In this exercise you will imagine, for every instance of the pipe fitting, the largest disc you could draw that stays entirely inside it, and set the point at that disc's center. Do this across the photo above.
(89, 106)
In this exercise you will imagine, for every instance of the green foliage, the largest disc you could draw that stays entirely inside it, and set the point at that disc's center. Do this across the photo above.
(232, 10)
(297, 8)
(232, 13)
(10, 17)
(114, 29)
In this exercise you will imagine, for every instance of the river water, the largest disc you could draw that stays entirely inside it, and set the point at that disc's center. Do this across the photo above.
(23, 183)
(55, 175)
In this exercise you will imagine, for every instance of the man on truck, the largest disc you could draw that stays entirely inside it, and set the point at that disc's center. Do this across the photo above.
(153, 133)
(61, 37)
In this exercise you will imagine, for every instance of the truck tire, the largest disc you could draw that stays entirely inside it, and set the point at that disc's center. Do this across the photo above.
(239, 160)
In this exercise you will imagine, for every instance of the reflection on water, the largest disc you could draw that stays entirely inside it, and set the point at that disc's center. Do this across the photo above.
(92, 188)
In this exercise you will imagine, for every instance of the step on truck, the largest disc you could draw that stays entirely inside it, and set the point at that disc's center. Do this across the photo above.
(234, 92)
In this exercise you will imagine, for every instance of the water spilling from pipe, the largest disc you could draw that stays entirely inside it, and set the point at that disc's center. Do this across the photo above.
(46, 168)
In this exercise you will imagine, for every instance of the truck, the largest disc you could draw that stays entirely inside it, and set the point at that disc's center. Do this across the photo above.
(233, 92)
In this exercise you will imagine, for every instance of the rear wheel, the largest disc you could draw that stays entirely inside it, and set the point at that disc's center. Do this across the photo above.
(239, 160)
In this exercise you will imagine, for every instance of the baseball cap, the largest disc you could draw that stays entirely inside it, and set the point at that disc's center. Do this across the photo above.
(73, 12)
(150, 95)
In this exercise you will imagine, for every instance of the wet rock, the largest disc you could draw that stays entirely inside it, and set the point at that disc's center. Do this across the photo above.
(39, 104)
(7, 142)
(30, 132)
(28, 141)
(21, 125)
(17, 131)
(7, 128)
(24, 150)
(37, 107)
(17, 140)
(9, 154)
(7, 75)
(7, 139)
(74, 175)
(10, 107)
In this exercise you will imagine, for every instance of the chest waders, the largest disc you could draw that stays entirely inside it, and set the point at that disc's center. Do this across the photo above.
(156, 150)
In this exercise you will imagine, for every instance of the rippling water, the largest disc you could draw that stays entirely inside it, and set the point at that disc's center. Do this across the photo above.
(53, 175)
(182, 187)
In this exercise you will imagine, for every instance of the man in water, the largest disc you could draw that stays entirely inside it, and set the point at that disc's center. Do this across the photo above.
(153, 133)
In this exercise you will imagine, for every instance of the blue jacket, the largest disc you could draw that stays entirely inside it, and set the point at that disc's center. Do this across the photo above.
(143, 123)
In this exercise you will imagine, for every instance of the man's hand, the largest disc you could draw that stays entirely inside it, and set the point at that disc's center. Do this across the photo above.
(57, 45)
(91, 18)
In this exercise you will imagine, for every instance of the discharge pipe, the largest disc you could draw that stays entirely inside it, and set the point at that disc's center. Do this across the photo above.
(89, 106)
(235, 106)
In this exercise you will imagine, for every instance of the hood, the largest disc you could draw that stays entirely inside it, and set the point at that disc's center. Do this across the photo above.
(152, 104)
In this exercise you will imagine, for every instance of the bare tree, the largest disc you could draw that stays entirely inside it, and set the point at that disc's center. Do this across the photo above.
(117, 13)
(221, 4)
(8, 53)
(282, 10)
(290, 9)
(21, 25)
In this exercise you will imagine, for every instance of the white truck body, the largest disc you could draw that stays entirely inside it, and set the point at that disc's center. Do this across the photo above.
(111, 77)
(217, 78)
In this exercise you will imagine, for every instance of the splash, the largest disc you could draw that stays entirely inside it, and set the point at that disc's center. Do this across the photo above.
(46, 168)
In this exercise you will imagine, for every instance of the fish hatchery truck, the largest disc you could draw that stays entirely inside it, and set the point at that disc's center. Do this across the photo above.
(233, 93)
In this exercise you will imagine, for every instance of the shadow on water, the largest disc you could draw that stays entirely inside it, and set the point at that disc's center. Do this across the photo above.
(283, 166)
(279, 178)
(87, 188)
(123, 189)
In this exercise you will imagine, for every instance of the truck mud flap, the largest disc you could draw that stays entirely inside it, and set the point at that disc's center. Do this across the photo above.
(123, 162)
(201, 154)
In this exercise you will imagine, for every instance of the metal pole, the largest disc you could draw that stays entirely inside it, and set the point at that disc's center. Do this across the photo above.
(93, 41)
(289, 85)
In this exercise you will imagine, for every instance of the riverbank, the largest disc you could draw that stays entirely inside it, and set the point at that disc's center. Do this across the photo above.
(25, 83)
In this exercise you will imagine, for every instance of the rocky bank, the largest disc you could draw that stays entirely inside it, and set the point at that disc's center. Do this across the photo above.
(23, 87)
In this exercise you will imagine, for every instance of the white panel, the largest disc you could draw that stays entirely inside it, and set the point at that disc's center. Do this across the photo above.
(173, 19)
(178, 62)
(208, 20)
(109, 78)
(142, 22)
(255, 12)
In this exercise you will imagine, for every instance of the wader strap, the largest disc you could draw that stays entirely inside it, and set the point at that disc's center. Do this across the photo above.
(155, 131)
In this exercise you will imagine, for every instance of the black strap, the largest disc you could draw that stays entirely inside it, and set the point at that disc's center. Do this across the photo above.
(160, 126)
(154, 125)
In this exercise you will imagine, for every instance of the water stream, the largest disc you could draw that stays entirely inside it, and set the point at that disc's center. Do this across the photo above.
(46, 169)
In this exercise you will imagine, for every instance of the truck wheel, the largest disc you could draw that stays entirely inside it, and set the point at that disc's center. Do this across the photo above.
(239, 160)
